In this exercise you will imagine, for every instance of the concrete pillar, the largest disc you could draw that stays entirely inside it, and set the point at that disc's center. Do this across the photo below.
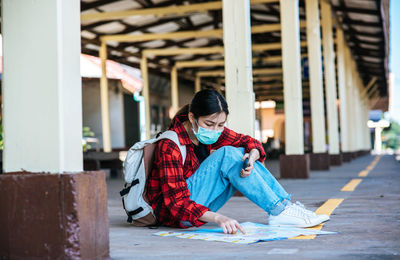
(104, 100)
(350, 90)
(330, 84)
(359, 113)
(378, 127)
(50, 209)
(294, 164)
(369, 141)
(238, 65)
(364, 119)
(367, 135)
(42, 104)
(174, 90)
(362, 127)
(343, 116)
(378, 140)
(319, 159)
(142, 114)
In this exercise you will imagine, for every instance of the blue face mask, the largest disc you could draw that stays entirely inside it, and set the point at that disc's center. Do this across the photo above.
(206, 136)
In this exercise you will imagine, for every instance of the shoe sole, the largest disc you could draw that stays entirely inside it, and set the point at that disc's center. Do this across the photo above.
(301, 226)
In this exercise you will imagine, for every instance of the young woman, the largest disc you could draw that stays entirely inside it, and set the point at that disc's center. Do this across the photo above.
(218, 163)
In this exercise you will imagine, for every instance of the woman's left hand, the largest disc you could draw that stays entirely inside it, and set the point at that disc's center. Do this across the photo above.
(252, 156)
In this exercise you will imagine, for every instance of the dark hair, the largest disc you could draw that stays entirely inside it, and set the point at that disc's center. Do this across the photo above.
(205, 102)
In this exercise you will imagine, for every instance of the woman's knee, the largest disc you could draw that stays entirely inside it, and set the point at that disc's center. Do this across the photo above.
(233, 152)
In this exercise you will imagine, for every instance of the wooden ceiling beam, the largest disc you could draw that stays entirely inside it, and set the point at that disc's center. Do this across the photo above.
(132, 28)
(216, 63)
(159, 11)
(163, 11)
(221, 73)
(179, 51)
(214, 73)
(205, 50)
(162, 36)
(198, 64)
(217, 33)
(370, 84)
(264, 78)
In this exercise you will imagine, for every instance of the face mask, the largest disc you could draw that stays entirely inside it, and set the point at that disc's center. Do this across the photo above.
(206, 136)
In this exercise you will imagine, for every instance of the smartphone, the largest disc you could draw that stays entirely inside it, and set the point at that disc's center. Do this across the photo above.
(245, 164)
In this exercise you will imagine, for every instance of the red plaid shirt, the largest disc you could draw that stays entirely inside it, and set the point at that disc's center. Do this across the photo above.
(168, 177)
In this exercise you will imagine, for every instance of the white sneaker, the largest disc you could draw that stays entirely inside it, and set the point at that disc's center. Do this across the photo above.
(323, 217)
(293, 216)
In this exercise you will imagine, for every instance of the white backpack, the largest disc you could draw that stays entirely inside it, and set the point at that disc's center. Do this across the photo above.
(137, 167)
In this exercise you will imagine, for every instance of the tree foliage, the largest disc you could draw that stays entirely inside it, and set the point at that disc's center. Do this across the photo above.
(391, 136)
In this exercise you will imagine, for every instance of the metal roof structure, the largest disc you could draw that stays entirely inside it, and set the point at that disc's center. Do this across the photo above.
(365, 23)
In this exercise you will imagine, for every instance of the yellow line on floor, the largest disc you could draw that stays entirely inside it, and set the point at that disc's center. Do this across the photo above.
(327, 208)
(351, 185)
(370, 167)
(376, 160)
(330, 205)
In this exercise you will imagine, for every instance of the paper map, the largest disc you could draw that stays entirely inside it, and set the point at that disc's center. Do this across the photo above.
(254, 233)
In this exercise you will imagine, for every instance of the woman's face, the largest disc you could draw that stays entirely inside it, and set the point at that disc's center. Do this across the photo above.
(214, 121)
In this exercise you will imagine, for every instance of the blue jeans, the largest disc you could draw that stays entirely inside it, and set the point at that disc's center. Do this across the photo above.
(218, 178)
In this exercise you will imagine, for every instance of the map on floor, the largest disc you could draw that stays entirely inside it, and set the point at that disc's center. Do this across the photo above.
(254, 233)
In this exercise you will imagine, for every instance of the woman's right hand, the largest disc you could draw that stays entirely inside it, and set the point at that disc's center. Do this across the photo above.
(228, 225)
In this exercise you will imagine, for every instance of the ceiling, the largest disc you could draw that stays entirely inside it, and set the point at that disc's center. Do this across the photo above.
(365, 23)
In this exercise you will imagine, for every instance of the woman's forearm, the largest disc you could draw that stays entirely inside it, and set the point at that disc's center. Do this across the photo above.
(255, 153)
(209, 216)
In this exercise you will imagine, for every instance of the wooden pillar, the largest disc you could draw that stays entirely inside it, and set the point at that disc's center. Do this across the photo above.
(238, 65)
(343, 116)
(174, 89)
(330, 83)
(219, 85)
(294, 164)
(197, 83)
(146, 93)
(319, 159)
(104, 100)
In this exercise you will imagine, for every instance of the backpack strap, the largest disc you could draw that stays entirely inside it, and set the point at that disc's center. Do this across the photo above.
(128, 188)
(173, 136)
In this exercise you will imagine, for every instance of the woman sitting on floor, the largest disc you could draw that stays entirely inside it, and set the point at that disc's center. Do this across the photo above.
(219, 162)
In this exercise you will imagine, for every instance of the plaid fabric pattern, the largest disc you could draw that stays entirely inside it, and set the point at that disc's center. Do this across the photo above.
(168, 177)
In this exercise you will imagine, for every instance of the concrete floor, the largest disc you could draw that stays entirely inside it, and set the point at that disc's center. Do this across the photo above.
(368, 220)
